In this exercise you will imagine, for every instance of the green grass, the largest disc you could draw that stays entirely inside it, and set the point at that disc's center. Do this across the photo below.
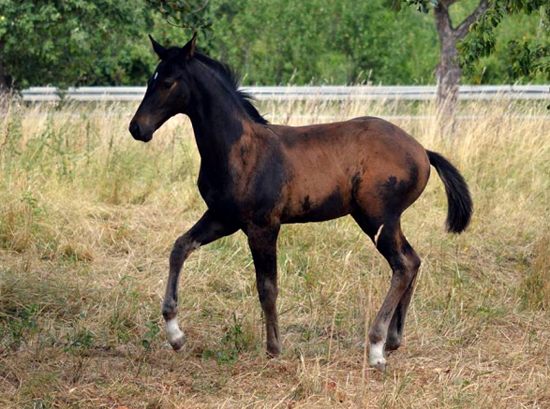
(88, 217)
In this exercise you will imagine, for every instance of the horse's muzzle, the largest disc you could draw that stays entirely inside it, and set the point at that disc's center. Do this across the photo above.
(138, 133)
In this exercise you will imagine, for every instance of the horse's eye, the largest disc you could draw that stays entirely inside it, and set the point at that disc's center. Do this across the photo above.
(166, 85)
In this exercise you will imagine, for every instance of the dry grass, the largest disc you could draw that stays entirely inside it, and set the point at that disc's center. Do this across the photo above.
(88, 217)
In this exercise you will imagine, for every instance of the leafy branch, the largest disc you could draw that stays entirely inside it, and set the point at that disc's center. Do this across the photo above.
(192, 15)
(420, 5)
(527, 58)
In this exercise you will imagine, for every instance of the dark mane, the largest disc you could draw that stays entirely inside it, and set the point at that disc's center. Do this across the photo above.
(231, 79)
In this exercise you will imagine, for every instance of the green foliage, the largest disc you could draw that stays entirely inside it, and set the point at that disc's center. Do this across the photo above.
(269, 42)
(528, 56)
(104, 42)
(192, 15)
(528, 59)
(419, 5)
(153, 330)
(81, 339)
(312, 41)
(233, 343)
(67, 42)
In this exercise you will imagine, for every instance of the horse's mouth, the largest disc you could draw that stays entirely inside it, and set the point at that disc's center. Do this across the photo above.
(145, 138)
(140, 134)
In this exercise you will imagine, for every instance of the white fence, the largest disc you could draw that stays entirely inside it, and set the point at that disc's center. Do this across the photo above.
(50, 94)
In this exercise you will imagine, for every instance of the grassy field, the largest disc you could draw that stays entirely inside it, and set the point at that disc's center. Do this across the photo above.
(88, 217)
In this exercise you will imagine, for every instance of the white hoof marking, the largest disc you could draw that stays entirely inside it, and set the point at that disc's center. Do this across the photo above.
(173, 330)
(376, 356)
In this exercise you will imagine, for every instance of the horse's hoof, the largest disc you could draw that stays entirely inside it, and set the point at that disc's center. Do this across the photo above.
(273, 352)
(380, 365)
(377, 359)
(178, 343)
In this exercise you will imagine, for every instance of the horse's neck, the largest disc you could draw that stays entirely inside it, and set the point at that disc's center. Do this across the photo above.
(217, 127)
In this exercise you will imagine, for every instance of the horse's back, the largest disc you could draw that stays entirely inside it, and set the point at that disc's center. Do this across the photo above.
(369, 134)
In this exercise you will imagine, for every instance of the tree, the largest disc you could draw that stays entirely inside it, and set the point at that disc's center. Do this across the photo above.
(448, 72)
(62, 42)
(475, 37)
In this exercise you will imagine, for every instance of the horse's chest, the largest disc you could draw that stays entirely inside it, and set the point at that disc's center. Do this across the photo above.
(218, 196)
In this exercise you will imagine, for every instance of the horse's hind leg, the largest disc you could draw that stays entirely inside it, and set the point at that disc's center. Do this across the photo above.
(387, 328)
(404, 262)
(206, 230)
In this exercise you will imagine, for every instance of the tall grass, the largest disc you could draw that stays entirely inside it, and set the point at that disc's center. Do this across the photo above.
(88, 217)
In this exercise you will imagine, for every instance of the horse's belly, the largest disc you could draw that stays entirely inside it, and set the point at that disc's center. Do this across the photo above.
(313, 208)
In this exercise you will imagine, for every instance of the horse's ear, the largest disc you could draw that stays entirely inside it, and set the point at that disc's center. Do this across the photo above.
(159, 49)
(188, 50)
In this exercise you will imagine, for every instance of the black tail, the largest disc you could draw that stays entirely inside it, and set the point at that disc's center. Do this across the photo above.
(458, 194)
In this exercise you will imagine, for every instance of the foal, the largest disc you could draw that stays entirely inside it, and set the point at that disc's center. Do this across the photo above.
(255, 176)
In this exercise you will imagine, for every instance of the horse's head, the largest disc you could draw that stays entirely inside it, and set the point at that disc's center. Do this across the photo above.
(167, 91)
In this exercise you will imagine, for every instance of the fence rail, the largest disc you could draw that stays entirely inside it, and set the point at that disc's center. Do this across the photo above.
(330, 93)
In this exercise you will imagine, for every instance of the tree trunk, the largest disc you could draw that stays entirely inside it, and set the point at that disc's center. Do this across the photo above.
(448, 72)
(4, 86)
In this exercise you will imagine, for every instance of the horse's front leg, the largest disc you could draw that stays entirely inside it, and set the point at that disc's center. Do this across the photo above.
(206, 230)
(263, 245)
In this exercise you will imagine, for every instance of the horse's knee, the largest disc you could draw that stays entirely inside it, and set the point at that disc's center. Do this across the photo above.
(393, 245)
(411, 259)
(183, 246)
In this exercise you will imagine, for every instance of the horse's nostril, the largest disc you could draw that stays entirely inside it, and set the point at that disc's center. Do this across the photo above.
(134, 129)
